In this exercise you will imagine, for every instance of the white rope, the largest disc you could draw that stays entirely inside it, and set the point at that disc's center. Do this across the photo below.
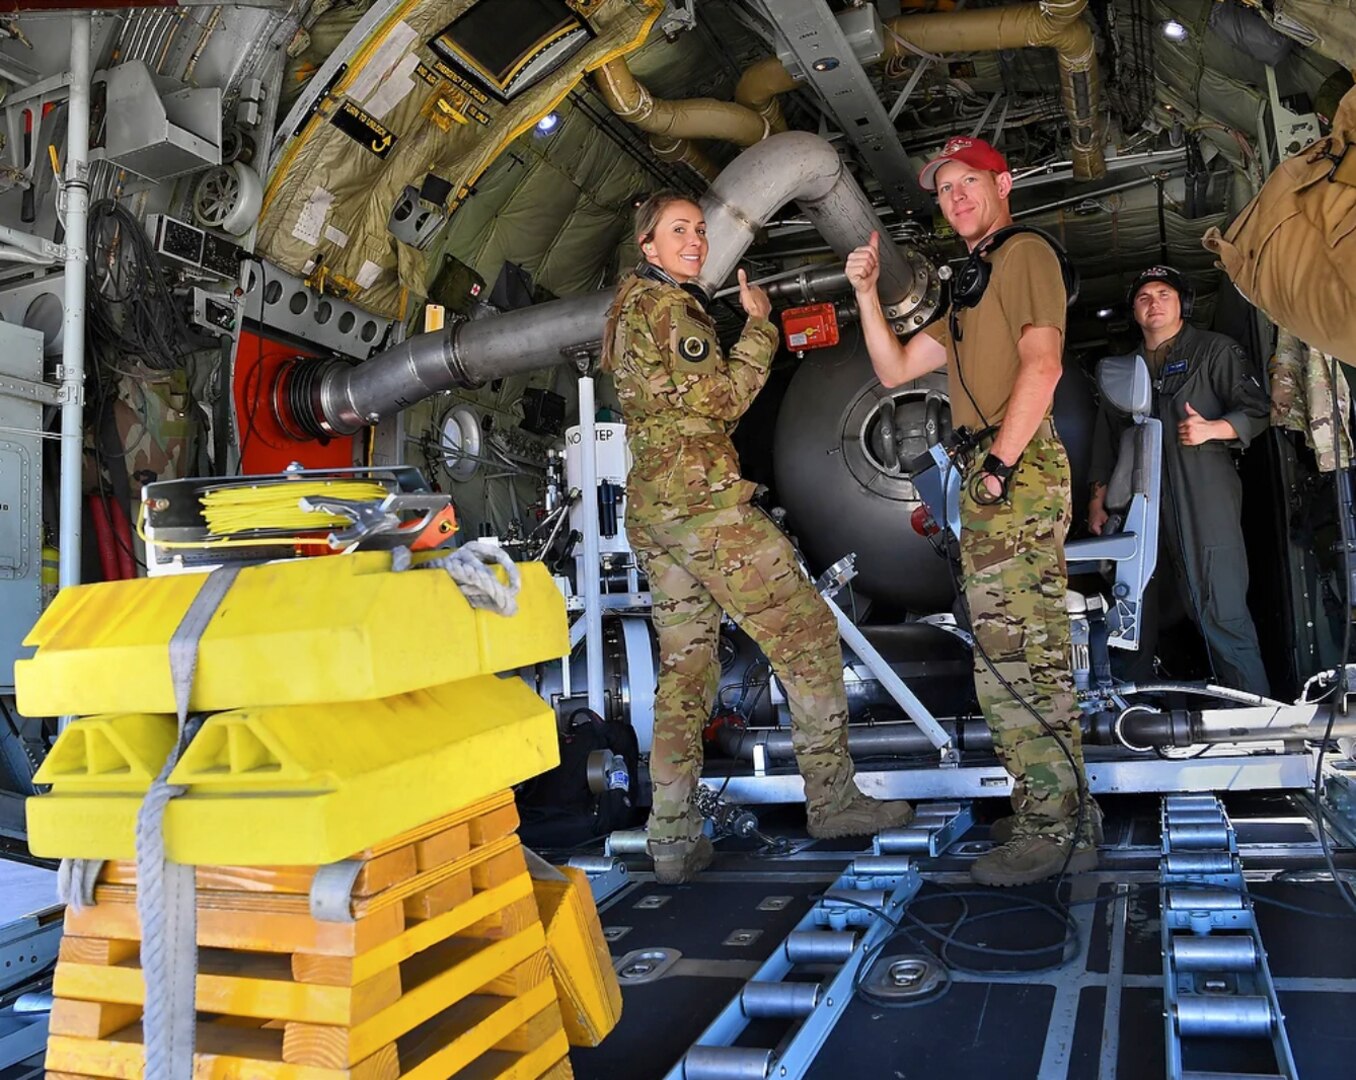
(76, 879)
(471, 566)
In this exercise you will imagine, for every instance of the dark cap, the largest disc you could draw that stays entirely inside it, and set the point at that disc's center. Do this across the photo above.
(1168, 275)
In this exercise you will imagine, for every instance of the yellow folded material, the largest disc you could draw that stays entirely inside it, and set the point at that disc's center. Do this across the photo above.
(303, 631)
(296, 785)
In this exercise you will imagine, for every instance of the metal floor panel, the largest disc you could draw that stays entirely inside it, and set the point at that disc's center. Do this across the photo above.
(25, 890)
(659, 1022)
(967, 1035)
(1098, 1018)
(697, 919)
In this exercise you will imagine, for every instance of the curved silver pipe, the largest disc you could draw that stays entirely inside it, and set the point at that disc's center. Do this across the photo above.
(801, 167)
(792, 166)
(467, 354)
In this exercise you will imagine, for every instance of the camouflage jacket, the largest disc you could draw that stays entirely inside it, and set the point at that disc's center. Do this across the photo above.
(1302, 390)
(680, 398)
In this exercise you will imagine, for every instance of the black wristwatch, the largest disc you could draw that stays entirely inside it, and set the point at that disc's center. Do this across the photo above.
(996, 466)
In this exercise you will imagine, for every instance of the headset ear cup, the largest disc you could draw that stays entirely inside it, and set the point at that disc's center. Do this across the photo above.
(967, 287)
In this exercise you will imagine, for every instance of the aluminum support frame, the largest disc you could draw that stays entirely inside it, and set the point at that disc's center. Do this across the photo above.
(905, 698)
(811, 32)
(1226, 772)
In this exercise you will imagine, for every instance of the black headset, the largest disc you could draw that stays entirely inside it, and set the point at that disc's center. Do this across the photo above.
(972, 279)
(1169, 276)
(647, 269)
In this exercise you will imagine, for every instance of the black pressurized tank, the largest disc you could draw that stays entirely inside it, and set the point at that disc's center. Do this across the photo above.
(841, 448)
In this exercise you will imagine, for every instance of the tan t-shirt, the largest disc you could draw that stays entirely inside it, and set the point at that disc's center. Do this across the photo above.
(1025, 289)
(1156, 358)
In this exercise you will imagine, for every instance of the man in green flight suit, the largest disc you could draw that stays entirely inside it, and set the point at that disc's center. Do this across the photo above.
(1210, 404)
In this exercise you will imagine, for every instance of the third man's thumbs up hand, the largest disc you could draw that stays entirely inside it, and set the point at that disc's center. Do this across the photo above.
(863, 265)
(1195, 429)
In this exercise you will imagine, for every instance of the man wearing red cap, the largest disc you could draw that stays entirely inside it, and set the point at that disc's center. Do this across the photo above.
(1003, 350)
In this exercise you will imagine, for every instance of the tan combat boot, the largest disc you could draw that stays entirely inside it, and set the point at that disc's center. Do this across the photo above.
(1026, 860)
(681, 860)
(1002, 830)
(859, 816)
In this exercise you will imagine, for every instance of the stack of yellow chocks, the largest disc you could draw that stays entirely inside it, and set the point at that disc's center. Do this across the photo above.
(581, 963)
(364, 910)
(347, 703)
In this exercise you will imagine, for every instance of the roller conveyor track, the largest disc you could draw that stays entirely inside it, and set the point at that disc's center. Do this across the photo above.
(1216, 981)
(853, 916)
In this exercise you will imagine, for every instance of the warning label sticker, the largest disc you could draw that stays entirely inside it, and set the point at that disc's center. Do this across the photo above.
(364, 128)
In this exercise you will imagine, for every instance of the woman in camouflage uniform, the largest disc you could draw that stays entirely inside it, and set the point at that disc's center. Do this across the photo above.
(705, 549)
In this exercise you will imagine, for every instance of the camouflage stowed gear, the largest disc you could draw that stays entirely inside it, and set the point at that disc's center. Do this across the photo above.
(681, 399)
(735, 559)
(1301, 398)
(705, 549)
(155, 428)
(1012, 557)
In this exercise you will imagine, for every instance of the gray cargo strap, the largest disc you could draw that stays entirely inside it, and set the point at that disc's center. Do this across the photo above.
(166, 891)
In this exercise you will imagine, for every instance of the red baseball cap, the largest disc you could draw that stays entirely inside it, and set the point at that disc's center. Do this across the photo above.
(973, 152)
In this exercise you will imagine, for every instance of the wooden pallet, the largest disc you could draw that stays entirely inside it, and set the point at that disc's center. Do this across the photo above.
(511, 1020)
(443, 969)
(252, 920)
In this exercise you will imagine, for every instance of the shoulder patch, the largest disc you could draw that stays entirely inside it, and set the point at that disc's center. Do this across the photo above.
(694, 348)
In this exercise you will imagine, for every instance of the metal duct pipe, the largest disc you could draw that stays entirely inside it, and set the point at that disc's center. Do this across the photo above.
(1162, 729)
(799, 166)
(759, 86)
(682, 152)
(695, 118)
(794, 165)
(864, 740)
(467, 354)
(1054, 24)
(670, 124)
(816, 283)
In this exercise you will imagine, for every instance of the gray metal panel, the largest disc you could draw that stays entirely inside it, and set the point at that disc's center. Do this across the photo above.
(812, 34)
(159, 133)
(281, 301)
(20, 497)
(1259, 772)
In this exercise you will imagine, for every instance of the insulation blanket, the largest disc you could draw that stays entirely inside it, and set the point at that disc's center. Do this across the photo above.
(406, 112)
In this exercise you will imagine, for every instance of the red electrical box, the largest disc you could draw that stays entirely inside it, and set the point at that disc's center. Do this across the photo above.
(812, 327)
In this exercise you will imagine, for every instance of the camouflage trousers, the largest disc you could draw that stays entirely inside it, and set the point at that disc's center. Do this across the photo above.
(1012, 559)
(735, 559)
